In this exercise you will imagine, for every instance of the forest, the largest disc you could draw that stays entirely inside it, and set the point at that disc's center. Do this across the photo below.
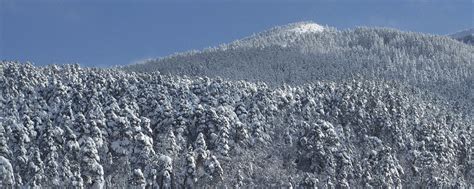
(66, 126)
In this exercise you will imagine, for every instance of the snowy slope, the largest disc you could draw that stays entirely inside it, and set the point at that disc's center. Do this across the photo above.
(303, 52)
(307, 28)
(466, 36)
(280, 36)
(462, 33)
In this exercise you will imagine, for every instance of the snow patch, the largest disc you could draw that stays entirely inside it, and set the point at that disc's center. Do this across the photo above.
(307, 28)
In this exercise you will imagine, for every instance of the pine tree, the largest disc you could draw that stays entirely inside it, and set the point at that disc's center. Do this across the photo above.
(169, 144)
(52, 155)
(223, 138)
(4, 150)
(20, 154)
(145, 126)
(239, 180)
(96, 133)
(137, 180)
(7, 178)
(166, 180)
(151, 174)
(309, 181)
(190, 172)
(92, 171)
(36, 169)
(200, 148)
(76, 180)
(71, 166)
(181, 131)
(143, 151)
(200, 120)
(166, 173)
(121, 149)
(214, 171)
(242, 135)
(288, 138)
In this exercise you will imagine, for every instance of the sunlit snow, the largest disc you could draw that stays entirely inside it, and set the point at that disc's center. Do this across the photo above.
(307, 28)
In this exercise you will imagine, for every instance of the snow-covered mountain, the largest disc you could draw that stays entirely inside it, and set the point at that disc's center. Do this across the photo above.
(280, 35)
(466, 36)
(437, 64)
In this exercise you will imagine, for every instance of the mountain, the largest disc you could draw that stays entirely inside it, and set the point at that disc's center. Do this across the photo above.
(284, 55)
(465, 36)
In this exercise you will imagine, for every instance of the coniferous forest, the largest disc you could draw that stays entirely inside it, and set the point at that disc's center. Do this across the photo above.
(363, 108)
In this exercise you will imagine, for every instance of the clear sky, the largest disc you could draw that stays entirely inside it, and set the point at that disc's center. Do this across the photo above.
(105, 32)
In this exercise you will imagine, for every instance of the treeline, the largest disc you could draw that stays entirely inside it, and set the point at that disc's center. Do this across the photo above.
(67, 126)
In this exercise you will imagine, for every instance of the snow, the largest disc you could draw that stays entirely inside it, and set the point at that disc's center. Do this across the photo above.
(462, 33)
(6, 172)
(307, 28)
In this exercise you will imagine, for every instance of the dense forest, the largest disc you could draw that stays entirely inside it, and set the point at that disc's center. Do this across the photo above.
(67, 126)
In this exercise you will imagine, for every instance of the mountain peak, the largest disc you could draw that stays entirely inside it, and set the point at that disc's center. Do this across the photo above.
(305, 27)
(280, 35)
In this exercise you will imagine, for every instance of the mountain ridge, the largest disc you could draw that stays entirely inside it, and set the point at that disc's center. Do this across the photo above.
(301, 28)
(277, 57)
(465, 36)
(286, 29)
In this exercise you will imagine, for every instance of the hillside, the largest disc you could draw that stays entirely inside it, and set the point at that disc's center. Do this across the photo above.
(465, 36)
(439, 65)
(67, 126)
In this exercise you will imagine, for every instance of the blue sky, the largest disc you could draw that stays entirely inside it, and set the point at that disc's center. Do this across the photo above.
(104, 32)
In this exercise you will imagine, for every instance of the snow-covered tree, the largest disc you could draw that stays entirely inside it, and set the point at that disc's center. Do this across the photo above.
(7, 178)
(166, 172)
(143, 152)
(137, 180)
(190, 171)
(35, 169)
(4, 149)
(242, 135)
(200, 148)
(52, 155)
(92, 171)
(223, 138)
(214, 171)
(169, 143)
